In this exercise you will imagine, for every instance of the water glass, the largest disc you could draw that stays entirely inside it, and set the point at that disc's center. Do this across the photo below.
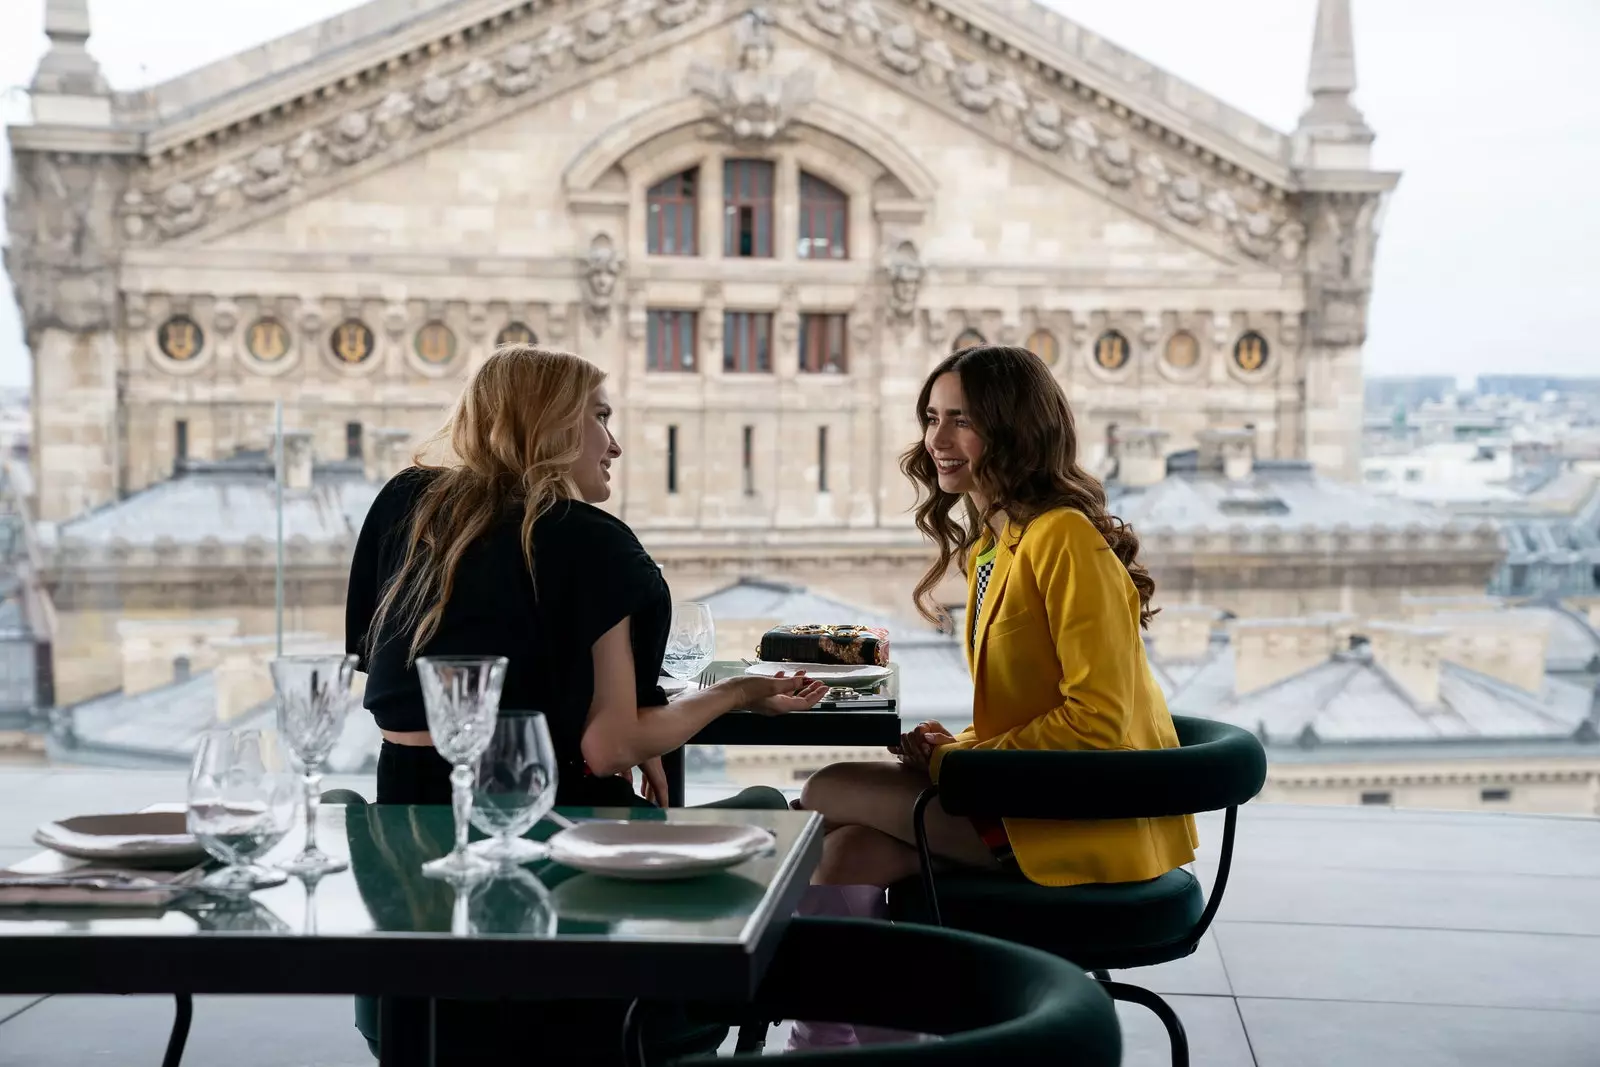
(462, 698)
(516, 787)
(313, 696)
(241, 803)
(692, 642)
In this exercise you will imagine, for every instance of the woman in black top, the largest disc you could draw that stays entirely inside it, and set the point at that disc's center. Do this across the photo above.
(501, 551)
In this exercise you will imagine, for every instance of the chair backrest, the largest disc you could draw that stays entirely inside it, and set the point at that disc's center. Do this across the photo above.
(1215, 766)
(993, 1001)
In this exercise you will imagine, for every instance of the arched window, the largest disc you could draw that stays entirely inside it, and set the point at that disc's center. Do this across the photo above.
(747, 207)
(1042, 343)
(673, 215)
(824, 220)
(968, 339)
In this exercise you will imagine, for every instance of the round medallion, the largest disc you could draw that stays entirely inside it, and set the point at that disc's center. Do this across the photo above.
(436, 343)
(180, 338)
(1111, 350)
(515, 333)
(267, 340)
(1250, 352)
(968, 339)
(1042, 343)
(352, 341)
(1183, 351)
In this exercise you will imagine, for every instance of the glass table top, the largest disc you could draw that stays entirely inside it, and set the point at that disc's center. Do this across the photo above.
(383, 893)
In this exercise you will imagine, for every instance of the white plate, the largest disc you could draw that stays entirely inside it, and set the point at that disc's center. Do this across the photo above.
(655, 851)
(823, 672)
(143, 839)
(672, 686)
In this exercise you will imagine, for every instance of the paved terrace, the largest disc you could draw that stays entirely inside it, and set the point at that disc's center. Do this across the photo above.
(1350, 936)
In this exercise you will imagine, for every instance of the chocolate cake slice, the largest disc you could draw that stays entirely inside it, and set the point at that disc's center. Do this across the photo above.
(815, 643)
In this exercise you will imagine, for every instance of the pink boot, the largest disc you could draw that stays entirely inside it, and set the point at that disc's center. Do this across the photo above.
(839, 902)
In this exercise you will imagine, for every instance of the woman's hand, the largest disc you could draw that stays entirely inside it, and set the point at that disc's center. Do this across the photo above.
(654, 786)
(776, 696)
(917, 747)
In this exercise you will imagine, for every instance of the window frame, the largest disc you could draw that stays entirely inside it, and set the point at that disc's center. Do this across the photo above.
(814, 354)
(824, 206)
(738, 175)
(660, 197)
(747, 342)
(666, 325)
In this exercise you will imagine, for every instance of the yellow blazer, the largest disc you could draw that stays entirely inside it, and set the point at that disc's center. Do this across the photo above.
(1058, 663)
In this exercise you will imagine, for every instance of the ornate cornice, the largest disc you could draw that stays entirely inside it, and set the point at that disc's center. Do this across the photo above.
(469, 77)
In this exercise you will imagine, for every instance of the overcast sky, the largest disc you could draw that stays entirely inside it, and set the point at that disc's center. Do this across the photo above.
(1490, 256)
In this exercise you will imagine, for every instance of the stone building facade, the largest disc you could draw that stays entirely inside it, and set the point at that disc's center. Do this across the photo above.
(764, 222)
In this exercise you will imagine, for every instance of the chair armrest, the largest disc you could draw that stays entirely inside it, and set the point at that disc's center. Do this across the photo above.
(1218, 766)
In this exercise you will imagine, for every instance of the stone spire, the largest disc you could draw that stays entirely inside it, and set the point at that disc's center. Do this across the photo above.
(1332, 133)
(68, 88)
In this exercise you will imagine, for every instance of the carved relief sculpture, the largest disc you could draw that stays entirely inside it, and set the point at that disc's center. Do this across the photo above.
(63, 249)
(905, 271)
(601, 266)
(752, 101)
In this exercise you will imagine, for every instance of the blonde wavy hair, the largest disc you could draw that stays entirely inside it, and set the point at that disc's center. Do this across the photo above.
(513, 438)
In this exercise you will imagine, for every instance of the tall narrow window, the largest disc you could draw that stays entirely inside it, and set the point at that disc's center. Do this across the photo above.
(747, 342)
(673, 215)
(672, 459)
(747, 208)
(822, 344)
(180, 441)
(749, 461)
(824, 219)
(352, 440)
(670, 340)
(822, 459)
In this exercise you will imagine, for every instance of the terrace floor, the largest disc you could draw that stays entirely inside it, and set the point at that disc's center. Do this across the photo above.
(1349, 936)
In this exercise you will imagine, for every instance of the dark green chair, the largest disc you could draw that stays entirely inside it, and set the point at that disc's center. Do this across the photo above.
(993, 1003)
(1105, 927)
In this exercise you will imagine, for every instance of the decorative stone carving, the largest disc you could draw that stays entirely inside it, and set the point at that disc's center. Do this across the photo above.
(436, 103)
(865, 25)
(901, 49)
(1182, 199)
(972, 88)
(518, 70)
(827, 16)
(267, 174)
(676, 12)
(1113, 161)
(597, 37)
(1043, 125)
(601, 267)
(905, 271)
(181, 209)
(352, 138)
(1085, 139)
(752, 101)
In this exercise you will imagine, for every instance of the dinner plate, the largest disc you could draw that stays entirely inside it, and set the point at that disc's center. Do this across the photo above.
(832, 673)
(134, 839)
(657, 851)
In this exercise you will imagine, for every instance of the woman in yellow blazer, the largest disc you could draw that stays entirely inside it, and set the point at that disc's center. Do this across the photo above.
(1056, 600)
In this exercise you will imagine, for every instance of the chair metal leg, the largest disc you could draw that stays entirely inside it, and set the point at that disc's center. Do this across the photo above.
(1139, 995)
(183, 1014)
(633, 1036)
(752, 1037)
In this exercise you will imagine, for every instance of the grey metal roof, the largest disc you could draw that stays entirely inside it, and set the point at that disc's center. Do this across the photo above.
(1349, 698)
(231, 503)
(163, 727)
(1282, 493)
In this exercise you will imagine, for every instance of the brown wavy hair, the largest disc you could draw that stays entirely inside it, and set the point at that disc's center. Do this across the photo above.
(1029, 466)
(513, 437)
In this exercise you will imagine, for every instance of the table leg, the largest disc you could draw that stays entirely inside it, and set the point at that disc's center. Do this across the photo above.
(672, 763)
(407, 1032)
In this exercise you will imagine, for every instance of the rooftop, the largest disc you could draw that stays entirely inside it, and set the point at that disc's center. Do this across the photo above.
(1347, 936)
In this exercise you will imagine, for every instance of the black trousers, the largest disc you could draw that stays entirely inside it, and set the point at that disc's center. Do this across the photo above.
(583, 1033)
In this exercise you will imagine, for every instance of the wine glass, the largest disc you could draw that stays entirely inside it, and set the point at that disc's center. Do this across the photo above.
(692, 642)
(313, 694)
(516, 788)
(241, 803)
(462, 697)
(515, 903)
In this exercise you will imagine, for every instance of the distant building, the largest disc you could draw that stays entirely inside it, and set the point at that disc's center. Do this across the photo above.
(1535, 386)
(1385, 395)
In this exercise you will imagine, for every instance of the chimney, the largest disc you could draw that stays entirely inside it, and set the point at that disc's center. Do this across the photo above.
(386, 454)
(1410, 654)
(297, 458)
(1233, 452)
(1267, 651)
(1509, 647)
(1141, 456)
(1182, 632)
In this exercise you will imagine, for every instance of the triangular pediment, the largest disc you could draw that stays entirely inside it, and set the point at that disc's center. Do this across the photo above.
(509, 62)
